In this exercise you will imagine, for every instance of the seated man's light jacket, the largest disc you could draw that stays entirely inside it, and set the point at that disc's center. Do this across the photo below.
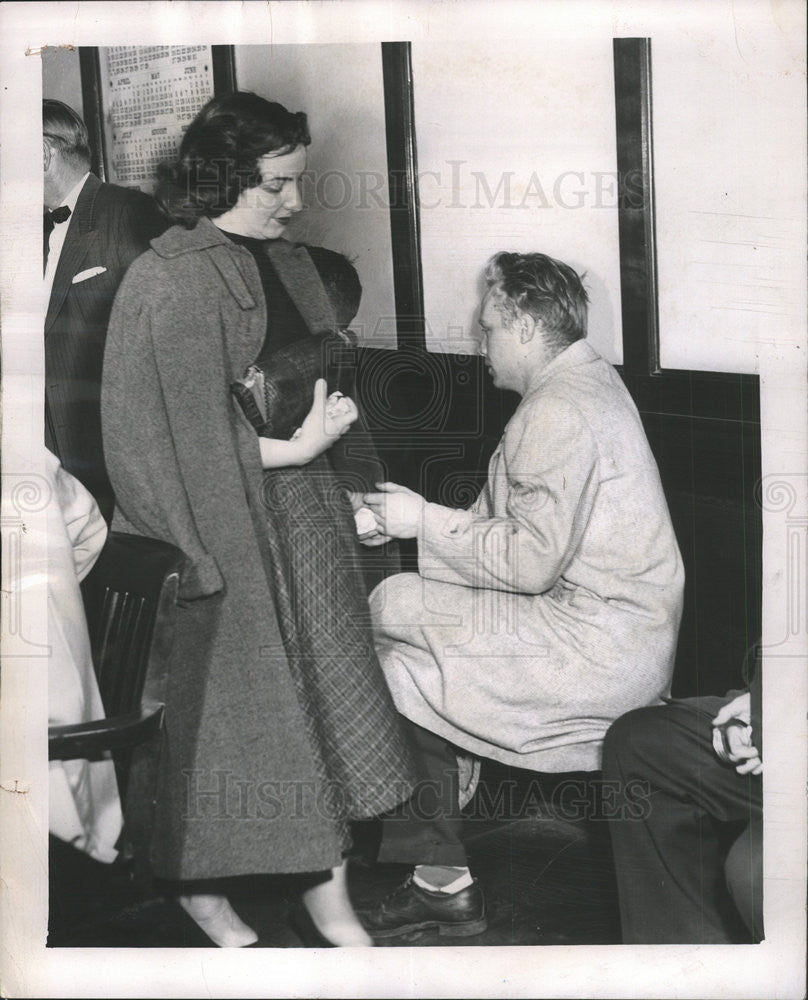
(552, 606)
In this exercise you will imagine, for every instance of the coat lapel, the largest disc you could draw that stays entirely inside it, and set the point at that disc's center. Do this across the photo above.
(227, 264)
(80, 235)
(301, 280)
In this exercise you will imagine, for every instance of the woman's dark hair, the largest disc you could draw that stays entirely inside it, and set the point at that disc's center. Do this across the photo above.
(218, 157)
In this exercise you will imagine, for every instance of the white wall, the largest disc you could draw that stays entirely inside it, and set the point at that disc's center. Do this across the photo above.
(61, 77)
(516, 151)
(513, 153)
(537, 113)
(729, 105)
(346, 194)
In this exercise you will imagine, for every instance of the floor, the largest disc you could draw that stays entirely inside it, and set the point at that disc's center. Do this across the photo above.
(535, 843)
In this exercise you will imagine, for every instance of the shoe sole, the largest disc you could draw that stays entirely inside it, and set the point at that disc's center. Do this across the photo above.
(467, 929)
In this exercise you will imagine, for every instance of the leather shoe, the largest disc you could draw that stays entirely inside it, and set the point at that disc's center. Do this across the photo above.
(411, 908)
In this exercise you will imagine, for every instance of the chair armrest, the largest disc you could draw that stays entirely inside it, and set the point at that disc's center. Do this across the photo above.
(90, 739)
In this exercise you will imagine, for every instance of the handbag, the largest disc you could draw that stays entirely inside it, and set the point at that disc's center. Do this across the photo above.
(277, 394)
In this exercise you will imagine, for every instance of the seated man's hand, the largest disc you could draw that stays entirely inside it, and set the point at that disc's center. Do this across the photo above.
(375, 540)
(397, 510)
(366, 526)
(740, 746)
(357, 500)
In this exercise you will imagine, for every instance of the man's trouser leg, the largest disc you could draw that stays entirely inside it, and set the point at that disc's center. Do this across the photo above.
(668, 849)
(426, 830)
(744, 870)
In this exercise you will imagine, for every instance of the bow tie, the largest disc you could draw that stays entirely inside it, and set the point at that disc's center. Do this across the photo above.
(49, 220)
(61, 214)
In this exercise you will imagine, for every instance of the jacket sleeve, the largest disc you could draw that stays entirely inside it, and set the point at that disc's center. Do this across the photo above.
(85, 528)
(550, 470)
(154, 440)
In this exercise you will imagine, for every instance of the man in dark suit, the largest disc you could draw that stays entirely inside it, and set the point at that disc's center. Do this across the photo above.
(687, 822)
(92, 233)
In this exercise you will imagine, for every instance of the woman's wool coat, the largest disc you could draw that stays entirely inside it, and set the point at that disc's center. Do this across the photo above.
(238, 790)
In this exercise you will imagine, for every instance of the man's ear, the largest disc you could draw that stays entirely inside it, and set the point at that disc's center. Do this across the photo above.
(47, 154)
(528, 328)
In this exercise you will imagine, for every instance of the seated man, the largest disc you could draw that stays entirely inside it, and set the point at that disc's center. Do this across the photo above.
(541, 614)
(687, 829)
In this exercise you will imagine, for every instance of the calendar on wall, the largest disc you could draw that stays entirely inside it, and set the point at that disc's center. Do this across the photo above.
(149, 94)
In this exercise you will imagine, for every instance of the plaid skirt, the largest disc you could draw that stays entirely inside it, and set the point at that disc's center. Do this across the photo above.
(361, 753)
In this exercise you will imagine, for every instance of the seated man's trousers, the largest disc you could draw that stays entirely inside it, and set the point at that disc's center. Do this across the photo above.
(427, 828)
(678, 813)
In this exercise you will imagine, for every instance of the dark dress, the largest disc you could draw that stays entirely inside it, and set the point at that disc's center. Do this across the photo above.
(321, 600)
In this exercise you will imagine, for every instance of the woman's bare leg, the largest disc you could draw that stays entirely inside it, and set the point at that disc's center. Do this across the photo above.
(217, 918)
(329, 906)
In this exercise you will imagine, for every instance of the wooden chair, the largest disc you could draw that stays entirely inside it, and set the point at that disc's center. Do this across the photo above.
(130, 599)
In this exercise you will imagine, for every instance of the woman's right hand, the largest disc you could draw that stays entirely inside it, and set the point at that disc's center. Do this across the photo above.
(326, 421)
(321, 428)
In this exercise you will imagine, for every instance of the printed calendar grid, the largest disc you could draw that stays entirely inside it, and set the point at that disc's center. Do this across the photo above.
(152, 93)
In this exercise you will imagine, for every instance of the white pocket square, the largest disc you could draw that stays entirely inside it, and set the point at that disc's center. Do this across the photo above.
(91, 272)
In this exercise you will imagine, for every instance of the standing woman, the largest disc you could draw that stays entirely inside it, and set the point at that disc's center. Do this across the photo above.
(279, 725)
